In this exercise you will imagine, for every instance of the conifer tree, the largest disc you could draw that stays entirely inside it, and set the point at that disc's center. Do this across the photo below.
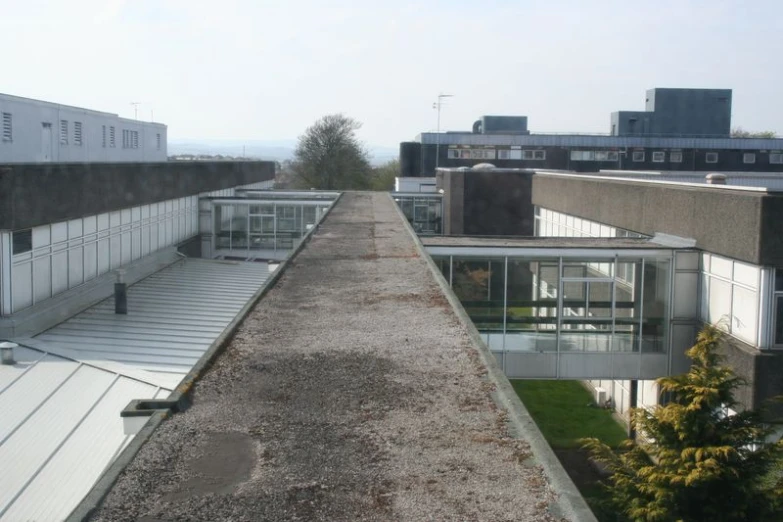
(694, 462)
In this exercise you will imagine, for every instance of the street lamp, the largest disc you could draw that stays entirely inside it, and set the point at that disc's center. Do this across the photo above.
(437, 105)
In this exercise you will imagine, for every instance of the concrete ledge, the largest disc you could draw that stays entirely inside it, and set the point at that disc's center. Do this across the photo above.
(179, 400)
(570, 503)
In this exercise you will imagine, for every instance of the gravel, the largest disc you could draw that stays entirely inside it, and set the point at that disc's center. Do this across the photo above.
(350, 392)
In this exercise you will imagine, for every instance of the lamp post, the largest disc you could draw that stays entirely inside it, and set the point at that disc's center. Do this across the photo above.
(437, 105)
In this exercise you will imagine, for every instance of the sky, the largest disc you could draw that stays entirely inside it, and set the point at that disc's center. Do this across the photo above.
(264, 70)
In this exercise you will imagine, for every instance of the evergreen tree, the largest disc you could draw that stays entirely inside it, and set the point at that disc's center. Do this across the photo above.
(693, 462)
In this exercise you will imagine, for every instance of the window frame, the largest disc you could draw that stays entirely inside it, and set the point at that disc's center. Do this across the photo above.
(711, 157)
(749, 156)
(675, 156)
(638, 156)
(659, 156)
(776, 158)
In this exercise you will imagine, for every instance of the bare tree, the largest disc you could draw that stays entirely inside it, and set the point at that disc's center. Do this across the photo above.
(329, 156)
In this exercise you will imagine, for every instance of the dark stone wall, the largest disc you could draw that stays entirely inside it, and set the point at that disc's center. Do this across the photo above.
(453, 185)
(498, 203)
(487, 202)
(36, 194)
(762, 372)
(737, 224)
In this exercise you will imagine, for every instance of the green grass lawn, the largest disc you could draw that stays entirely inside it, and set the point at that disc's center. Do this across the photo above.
(565, 413)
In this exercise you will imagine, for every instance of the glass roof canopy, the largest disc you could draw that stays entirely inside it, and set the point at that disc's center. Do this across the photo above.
(569, 311)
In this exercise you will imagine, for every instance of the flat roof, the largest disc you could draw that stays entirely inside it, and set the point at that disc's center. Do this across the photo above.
(353, 391)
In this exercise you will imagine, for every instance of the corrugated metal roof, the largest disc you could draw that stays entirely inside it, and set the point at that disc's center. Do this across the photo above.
(173, 317)
(577, 140)
(60, 428)
(60, 403)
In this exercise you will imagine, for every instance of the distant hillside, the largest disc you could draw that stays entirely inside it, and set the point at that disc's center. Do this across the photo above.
(273, 150)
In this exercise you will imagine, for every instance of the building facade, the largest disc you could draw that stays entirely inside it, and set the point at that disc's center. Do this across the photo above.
(681, 130)
(678, 112)
(719, 260)
(33, 131)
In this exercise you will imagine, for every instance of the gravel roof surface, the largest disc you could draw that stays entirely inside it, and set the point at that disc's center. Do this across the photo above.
(351, 392)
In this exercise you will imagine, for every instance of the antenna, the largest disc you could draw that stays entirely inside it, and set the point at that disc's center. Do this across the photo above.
(135, 109)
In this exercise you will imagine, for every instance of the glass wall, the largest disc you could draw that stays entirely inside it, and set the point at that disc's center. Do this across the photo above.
(730, 296)
(550, 223)
(424, 212)
(263, 225)
(565, 304)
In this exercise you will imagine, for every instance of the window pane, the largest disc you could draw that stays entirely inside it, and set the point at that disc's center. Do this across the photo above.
(779, 320)
(745, 310)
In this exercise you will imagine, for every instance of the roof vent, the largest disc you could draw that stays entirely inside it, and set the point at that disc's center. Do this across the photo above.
(483, 166)
(7, 352)
(716, 178)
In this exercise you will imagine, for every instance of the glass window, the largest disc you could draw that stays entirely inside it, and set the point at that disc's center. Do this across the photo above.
(779, 280)
(719, 302)
(638, 155)
(776, 158)
(675, 157)
(22, 241)
(779, 319)
(527, 154)
(744, 314)
(711, 157)
(539, 155)
(612, 155)
(601, 155)
(453, 154)
(658, 156)
(749, 157)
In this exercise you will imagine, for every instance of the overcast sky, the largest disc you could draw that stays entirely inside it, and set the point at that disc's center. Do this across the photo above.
(266, 70)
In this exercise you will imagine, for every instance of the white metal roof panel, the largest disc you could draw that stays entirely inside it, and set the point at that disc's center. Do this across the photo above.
(173, 317)
(60, 403)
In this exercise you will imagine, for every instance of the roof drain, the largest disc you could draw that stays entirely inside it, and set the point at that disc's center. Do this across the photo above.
(7, 352)
(138, 411)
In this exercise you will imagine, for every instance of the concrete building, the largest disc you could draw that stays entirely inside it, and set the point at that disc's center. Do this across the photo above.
(704, 113)
(35, 131)
(76, 363)
(681, 130)
(127, 295)
(620, 269)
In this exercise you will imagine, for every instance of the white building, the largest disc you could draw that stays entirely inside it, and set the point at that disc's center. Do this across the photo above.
(33, 131)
